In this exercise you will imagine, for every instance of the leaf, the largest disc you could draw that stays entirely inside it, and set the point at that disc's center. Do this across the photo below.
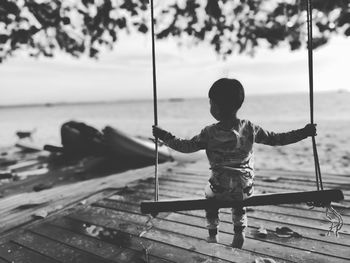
(143, 28)
(9, 7)
(212, 9)
(93, 52)
(66, 20)
(347, 32)
(226, 25)
(343, 19)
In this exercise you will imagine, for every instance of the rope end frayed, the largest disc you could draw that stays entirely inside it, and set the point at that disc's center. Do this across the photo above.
(336, 220)
(332, 215)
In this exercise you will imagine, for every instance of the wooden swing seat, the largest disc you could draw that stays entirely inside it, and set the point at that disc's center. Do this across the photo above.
(323, 197)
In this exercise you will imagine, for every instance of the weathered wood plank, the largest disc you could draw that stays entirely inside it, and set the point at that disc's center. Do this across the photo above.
(175, 236)
(56, 250)
(283, 182)
(316, 213)
(254, 223)
(305, 212)
(79, 241)
(130, 223)
(65, 195)
(197, 189)
(271, 225)
(94, 243)
(153, 247)
(129, 255)
(302, 243)
(86, 200)
(201, 246)
(192, 232)
(169, 192)
(18, 254)
(319, 223)
(260, 176)
(199, 183)
(310, 180)
(106, 217)
(25, 212)
(203, 168)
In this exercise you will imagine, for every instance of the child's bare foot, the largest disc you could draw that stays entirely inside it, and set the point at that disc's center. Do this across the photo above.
(239, 237)
(213, 236)
(238, 240)
(213, 239)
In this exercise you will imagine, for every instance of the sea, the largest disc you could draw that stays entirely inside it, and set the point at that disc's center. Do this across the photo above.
(186, 117)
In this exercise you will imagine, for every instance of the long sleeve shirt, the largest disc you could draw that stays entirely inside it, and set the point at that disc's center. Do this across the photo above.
(232, 148)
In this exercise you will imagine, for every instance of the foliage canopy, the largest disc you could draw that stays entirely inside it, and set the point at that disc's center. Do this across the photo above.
(77, 27)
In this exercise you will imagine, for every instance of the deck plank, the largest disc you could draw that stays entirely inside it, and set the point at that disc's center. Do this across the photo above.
(273, 242)
(63, 196)
(316, 214)
(315, 222)
(155, 248)
(298, 243)
(199, 183)
(59, 251)
(271, 223)
(81, 242)
(12, 252)
(195, 189)
(254, 223)
(194, 231)
(332, 182)
(110, 227)
(112, 251)
(130, 223)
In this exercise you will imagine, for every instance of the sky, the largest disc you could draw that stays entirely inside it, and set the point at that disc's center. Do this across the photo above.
(125, 73)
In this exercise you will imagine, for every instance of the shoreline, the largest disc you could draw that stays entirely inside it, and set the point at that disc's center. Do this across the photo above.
(165, 99)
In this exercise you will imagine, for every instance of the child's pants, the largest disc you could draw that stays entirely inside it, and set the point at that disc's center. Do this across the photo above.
(229, 185)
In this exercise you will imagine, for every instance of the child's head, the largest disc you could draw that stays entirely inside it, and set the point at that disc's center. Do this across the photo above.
(226, 98)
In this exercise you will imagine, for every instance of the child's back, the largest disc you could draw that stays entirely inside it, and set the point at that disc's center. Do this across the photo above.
(229, 147)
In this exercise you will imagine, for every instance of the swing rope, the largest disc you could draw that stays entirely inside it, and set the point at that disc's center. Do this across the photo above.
(332, 215)
(156, 184)
(319, 183)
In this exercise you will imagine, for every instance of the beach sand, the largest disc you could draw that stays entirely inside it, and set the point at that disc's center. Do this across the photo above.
(333, 148)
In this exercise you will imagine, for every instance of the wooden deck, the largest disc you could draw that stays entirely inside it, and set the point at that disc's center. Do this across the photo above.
(108, 227)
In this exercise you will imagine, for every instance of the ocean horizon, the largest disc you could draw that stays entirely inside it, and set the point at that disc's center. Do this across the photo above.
(185, 117)
(126, 100)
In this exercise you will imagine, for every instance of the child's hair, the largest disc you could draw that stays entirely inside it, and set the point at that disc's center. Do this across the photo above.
(227, 94)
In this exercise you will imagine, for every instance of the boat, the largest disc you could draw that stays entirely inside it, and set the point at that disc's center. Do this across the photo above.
(133, 150)
(81, 139)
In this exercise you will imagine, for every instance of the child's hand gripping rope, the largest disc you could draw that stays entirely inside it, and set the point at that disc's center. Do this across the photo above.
(160, 133)
(310, 129)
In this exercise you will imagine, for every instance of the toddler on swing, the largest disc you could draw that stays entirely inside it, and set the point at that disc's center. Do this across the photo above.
(229, 148)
